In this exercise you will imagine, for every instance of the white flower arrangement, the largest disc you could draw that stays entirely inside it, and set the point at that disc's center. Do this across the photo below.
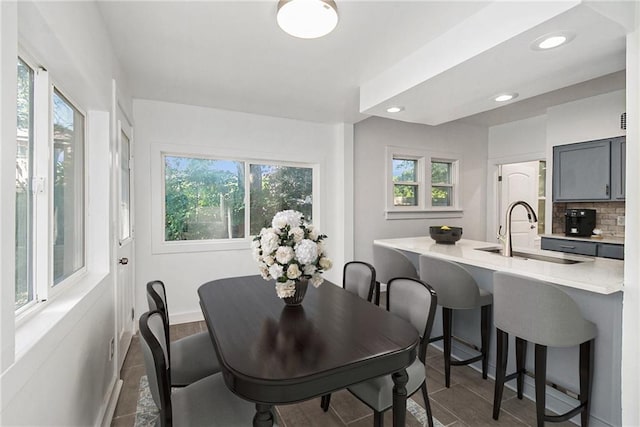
(290, 250)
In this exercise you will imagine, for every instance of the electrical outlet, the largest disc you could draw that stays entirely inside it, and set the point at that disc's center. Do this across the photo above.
(621, 220)
(112, 348)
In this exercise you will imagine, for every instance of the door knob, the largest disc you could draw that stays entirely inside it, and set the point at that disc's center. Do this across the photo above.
(123, 261)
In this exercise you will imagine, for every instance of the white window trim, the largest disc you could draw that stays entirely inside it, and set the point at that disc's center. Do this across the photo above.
(159, 151)
(423, 210)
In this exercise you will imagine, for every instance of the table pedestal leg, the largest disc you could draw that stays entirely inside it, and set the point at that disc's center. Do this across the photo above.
(400, 379)
(263, 417)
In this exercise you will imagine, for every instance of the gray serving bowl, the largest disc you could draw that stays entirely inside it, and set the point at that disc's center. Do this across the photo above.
(445, 236)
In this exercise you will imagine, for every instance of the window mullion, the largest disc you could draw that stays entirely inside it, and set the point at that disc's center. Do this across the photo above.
(247, 199)
(424, 173)
(42, 272)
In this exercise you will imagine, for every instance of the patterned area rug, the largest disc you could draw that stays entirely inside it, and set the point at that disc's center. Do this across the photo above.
(146, 410)
(147, 413)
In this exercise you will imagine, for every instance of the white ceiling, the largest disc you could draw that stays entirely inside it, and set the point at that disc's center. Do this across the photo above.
(232, 55)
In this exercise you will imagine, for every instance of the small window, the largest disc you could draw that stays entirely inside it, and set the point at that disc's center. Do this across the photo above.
(125, 186)
(405, 182)
(24, 196)
(441, 183)
(68, 188)
(421, 184)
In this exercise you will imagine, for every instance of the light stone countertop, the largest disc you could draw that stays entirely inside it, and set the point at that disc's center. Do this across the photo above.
(606, 239)
(598, 275)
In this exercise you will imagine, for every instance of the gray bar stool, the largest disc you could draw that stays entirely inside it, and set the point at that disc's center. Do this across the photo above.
(457, 290)
(389, 264)
(539, 312)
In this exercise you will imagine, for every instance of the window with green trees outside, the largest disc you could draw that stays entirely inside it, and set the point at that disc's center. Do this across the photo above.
(206, 199)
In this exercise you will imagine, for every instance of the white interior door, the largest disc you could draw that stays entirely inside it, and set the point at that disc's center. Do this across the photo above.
(125, 316)
(519, 182)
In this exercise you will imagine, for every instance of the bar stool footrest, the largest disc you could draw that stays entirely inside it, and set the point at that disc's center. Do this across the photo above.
(566, 416)
(513, 375)
(434, 339)
(466, 362)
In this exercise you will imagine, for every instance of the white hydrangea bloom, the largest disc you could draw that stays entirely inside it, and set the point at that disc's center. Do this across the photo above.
(325, 263)
(309, 269)
(313, 234)
(275, 271)
(284, 218)
(264, 272)
(293, 272)
(306, 251)
(316, 280)
(269, 242)
(286, 289)
(269, 260)
(284, 254)
(297, 233)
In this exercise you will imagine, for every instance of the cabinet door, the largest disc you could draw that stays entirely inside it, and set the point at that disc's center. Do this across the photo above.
(582, 171)
(607, 250)
(618, 168)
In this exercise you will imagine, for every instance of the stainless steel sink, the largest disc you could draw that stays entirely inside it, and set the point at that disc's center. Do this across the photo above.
(537, 257)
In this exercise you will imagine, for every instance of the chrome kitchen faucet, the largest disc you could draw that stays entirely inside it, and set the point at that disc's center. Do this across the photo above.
(506, 237)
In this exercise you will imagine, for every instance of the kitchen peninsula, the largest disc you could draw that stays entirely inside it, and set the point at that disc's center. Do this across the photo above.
(595, 284)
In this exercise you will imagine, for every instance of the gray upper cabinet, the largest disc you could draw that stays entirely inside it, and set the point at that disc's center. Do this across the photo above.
(618, 168)
(589, 171)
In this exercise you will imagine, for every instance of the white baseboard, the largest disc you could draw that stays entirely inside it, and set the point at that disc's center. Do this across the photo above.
(193, 316)
(112, 401)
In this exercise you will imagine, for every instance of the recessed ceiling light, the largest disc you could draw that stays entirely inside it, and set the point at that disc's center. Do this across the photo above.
(503, 97)
(307, 19)
(395, 109)
(552, 40)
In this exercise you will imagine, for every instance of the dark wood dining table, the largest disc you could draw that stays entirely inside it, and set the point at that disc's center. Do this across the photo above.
(272, 354)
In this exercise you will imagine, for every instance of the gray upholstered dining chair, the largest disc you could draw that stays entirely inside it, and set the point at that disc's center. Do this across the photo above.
(358, 278)
(192, 357)
(207, 401)
(390, 263)
(540, 313)
(416, 302)
(457, 290)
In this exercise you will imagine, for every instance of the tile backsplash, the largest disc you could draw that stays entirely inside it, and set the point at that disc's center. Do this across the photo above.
(607, 214)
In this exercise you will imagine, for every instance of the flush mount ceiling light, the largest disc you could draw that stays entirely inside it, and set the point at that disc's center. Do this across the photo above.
(395, 109)
(552, 40)
(307, 19)
(504, 97)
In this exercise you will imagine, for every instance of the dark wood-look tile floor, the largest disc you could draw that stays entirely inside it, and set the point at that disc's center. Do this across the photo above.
(468, 402)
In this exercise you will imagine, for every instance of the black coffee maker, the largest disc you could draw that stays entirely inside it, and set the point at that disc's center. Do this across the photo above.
(579, 222)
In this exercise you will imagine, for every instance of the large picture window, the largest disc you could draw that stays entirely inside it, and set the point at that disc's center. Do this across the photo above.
(274, 188)
(206, 198)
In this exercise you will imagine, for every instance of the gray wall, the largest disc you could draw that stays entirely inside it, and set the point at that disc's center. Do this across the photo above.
(372, 136)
